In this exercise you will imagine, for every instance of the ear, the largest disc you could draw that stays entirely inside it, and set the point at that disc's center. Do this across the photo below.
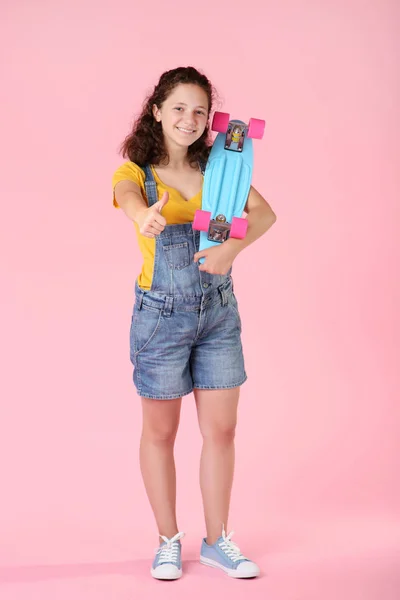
(156, 113)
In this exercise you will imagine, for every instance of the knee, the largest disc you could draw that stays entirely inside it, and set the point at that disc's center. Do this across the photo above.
(160, 433)
(222, 434)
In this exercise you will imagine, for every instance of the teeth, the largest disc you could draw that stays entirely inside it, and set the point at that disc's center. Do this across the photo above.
(186, 130)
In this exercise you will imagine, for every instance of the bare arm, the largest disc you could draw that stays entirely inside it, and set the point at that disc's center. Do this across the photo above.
(130, 199)
(149, 219)
(260, 217)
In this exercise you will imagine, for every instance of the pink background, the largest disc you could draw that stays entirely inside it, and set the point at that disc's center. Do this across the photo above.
(316, 499)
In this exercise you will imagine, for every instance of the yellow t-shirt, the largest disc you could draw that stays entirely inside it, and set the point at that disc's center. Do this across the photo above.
(177, 211)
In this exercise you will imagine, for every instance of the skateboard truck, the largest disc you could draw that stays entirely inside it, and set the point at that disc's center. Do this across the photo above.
(218, 229)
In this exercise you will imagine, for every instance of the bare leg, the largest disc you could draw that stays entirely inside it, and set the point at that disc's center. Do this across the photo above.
(160, 425)
(217, 414)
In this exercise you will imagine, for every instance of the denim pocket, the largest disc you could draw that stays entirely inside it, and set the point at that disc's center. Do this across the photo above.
(177, 255)
(145, 325)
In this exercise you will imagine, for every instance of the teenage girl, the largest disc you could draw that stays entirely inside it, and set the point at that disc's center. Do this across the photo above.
(186, 330)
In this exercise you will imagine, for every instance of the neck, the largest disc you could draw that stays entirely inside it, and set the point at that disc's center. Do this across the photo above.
(178, 158)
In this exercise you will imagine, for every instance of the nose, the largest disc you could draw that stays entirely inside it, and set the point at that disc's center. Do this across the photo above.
(190, 119)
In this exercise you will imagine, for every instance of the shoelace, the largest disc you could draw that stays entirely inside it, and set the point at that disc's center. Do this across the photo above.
(169, 551)
(230, 548)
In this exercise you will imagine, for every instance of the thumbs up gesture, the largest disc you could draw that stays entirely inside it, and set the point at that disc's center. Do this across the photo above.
(150, 220)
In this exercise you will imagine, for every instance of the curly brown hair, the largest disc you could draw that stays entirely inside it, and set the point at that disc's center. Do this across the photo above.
(145, 144)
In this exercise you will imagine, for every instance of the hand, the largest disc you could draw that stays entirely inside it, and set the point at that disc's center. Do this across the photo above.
(218, 259)
(150, 220)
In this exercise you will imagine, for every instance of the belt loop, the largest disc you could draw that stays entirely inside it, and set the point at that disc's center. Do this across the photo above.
(224, 295)
(168, 306)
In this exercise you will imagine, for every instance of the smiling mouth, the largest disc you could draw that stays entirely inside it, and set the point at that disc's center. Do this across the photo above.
(188, 131)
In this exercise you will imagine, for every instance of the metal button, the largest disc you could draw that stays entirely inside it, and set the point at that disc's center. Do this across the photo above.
(206, 285)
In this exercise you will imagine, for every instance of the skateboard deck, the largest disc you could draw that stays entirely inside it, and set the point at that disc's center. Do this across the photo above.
(227, 181)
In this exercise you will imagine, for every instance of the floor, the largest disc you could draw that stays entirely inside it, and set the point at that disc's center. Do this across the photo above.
(322, 562)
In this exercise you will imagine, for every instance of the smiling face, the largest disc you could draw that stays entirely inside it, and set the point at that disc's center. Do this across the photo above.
(183, 115)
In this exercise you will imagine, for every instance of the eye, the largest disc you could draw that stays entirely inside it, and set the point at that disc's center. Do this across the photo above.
(178, 108)
(200, 112)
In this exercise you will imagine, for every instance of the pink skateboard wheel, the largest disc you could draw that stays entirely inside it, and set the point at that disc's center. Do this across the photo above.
(220, 122)
(256, 129)
(201, 220)
(238, 228)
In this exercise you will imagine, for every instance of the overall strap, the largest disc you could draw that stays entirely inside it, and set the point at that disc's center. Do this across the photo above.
(202, 165)
(150, 185)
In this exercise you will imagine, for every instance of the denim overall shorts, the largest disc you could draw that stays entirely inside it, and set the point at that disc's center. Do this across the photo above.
(186, 330)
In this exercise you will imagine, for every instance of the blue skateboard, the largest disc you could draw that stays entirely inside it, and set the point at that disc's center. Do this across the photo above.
(227, 181)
